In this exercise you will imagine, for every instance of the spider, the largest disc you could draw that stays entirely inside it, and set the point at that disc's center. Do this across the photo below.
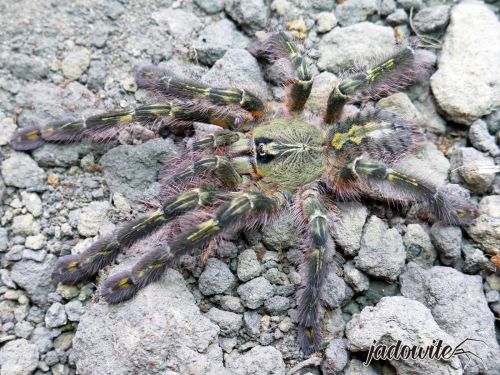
(261, 162)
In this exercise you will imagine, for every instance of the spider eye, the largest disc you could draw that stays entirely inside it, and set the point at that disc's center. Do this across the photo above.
(260, 149)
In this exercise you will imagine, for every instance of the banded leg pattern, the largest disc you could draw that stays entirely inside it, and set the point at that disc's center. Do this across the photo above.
(319, 251)
(220, 165)
(124, 285)
(71, 269)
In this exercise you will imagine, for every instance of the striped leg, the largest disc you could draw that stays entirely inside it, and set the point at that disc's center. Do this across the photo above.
(279, 48)
(393, 184)
(124, 285)
(71, 269)
(395, 73)
(163, 83)
(318, 255)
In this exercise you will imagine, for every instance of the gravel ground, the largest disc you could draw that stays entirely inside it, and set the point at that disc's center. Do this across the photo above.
(405, 279)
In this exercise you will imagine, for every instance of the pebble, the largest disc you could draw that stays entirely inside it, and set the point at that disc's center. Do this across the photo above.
(251, 15)
(92, 217)
(74, 310)
(217, 278)
(37, 256)
(485, 230)
(472, 168)
(474, 259)
(447, 240)
(42, 338)
(251, 322)
(335, 291)
(230, 303)
(249, 266)
(64, 341)
(23, 329)
(18, 357)
(211, 6)
(178, 22)
(325, 21)
(399, 17)
(281, 233)
(418, 245)
(55, 316)
(25, 225)
(75, 63)
(32, 202)
(355, 278)
(348, 226)
(254, 292)
(7, 129)
(432, 19)
(21, 171)
(229, 323)
(336, 356)
(35, 242)
(355, 11)
(277, 305)
(481, 139)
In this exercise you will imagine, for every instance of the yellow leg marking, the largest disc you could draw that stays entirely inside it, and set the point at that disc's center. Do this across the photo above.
(204, 228)
(394, 176)
(124, 283)
(356, 134)
(72, 266)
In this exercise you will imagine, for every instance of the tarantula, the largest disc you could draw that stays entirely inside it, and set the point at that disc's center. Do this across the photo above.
(260, 163)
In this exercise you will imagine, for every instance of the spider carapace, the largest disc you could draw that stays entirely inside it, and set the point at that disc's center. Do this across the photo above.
(260, 163)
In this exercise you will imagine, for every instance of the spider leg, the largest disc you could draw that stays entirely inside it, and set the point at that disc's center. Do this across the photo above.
(150, 267)
(395, 73)
(163, 83)
(393, 184)
(71, 269)
(317, 259)
(279, 48)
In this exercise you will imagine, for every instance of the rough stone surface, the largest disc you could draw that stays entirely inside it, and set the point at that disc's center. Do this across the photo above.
(348, 226)
(418, 244)
(18, 357)
(248, 265)
(342, 46)
(216, 278)
(433, 19)
(481, 139)
(92, 217)
(75, 63)
(178, 22)
(132, 337)
(21, 171)
(336, 356)
(458, 305)
(400, 318)
(355, 278)
(465, 86)
(255, 292)
(259, 360)
(252, 15)
(382, 253)
(485, 230)
(354, 11)
(472, 168)
(228, 322)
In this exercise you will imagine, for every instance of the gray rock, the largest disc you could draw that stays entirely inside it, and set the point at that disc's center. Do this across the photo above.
(228, 322)
(230, 303)
(399, 17)
(354, 11)
(56, 316)
(251, 15)
(32, 202)
(23, 329)
(475, 90)
(474, 259)
(237, 68)
(418, 244)
(342, 46)
(400, 104)
(99, 35)
(335, 291)
(493, 121)
(142, 336)
(21, 171)
(74, 310)
(216, 39)
(51, 155)
(408, 4)
(322, 86)
(75, 63)
(355, 278)
(25, 225)
(92, 217)
(472, 168)
(433, 19)
(255, 292)
(348, 226)
(400, 318)
(251, 320)
(178, 22)
(277, 305)
(35, 278)
(131, 170)
(447, 240)
(114, 9)
(249, 266)
(216, 278)
(458, 305)
(35, 242)
(336, 356)
(325, 21)
(37, 256)
(356, 367)
(7, 129)
(211, 6)
(42, 338)
(18, 357)
(281, 233)
(481, 139)
(485, 230)
(387, 7)
(27, 67)
(259, 360)
(382, 253)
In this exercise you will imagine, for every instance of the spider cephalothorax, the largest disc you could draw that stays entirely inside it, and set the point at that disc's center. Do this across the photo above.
(259, 164)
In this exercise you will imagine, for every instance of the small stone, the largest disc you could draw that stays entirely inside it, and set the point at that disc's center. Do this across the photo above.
(249, 266)
(259, 360)
(255, 292)
(274, 276)
(92, 217)
(382, 253)
(251, 15)
(472, 168)
(325, 21)
(75, 63)
(64, 341)
(251, 321)
(21, 171)
(32, 202)
(25, 225)
(336, 356)
(485, 230)
(18, 357)
(42, 338)
(447, 240)
(322, 86)
(353, 11)
(400, 104)
(129, 84)
(399, 17)
(474, 261)
(114, 9)
(408, 4)
(227, 344)
(281, 233)
(23, 329)
(230, 303)
(419, 248)
(60, 369)
(216, 39)
(7, 129)
(277, 305)
(229, 323)
(335, 292)
(355, 278)
(348, 226)
(342, 46)
(210, 6)
(387, 7)
(35, 242)
(37, 256)
(178, 22)
(481, 139)
(68, 291)
(431, 20)
(56, 316)
(217, 278)
(74, 310)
